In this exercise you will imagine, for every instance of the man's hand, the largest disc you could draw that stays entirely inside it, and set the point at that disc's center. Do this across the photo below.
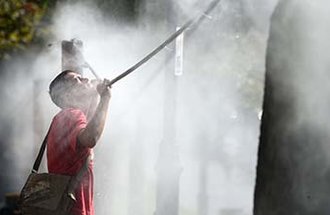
(103, 89)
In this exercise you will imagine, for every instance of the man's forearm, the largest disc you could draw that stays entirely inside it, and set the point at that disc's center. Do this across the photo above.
(90, 135)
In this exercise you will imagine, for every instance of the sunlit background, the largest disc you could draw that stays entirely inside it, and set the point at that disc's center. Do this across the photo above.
(204, 124)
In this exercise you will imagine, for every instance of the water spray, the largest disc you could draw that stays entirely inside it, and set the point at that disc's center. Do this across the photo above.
(92, 70)
(194, 22)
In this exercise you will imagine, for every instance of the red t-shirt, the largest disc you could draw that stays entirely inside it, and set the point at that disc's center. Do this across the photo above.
(65, 157)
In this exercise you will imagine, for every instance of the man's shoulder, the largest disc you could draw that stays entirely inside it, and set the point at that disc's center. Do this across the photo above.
(69, 113)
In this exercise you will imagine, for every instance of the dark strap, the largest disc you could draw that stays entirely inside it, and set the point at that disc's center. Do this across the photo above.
(75, 180)
(37, 162)
(78, 178)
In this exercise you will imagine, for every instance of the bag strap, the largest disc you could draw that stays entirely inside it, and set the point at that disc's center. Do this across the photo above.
(37, 162)
(75, 180)
(78, 178)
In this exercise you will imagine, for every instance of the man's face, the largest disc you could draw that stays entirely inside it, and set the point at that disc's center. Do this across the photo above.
(79, 87)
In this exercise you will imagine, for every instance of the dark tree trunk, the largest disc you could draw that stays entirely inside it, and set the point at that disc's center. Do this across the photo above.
(293, 172)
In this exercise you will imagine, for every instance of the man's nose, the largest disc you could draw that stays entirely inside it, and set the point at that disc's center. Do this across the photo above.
(84, 80)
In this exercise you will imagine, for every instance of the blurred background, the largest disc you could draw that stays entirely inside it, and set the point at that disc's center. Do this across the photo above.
(181, 136)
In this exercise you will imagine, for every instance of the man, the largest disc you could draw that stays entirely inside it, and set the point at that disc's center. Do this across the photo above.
(73, 134)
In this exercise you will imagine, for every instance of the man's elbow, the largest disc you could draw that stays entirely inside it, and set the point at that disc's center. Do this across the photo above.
(91, 143)
(88, 141)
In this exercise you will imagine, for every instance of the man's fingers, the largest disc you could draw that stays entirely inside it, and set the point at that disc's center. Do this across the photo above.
(107, 82)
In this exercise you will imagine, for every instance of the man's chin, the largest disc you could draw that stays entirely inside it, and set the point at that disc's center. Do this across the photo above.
(88, 92)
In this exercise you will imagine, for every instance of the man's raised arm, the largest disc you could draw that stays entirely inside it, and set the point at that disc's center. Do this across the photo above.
(89, 136)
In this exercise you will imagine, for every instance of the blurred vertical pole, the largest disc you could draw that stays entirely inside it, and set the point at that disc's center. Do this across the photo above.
(137, 183)
(202, 195)
(136, 169)
(72, 58)
(168, 164)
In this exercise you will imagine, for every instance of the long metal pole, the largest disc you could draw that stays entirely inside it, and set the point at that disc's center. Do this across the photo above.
(195, 21)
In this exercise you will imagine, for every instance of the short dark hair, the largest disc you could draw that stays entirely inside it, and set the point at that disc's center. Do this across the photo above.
(57, 88)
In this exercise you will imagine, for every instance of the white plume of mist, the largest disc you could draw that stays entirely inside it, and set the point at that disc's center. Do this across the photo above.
(219, 65)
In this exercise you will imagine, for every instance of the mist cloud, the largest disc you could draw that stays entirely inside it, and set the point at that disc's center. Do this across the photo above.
(223, 64)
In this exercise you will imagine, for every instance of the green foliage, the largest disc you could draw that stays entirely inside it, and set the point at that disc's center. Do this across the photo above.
(20, 25)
